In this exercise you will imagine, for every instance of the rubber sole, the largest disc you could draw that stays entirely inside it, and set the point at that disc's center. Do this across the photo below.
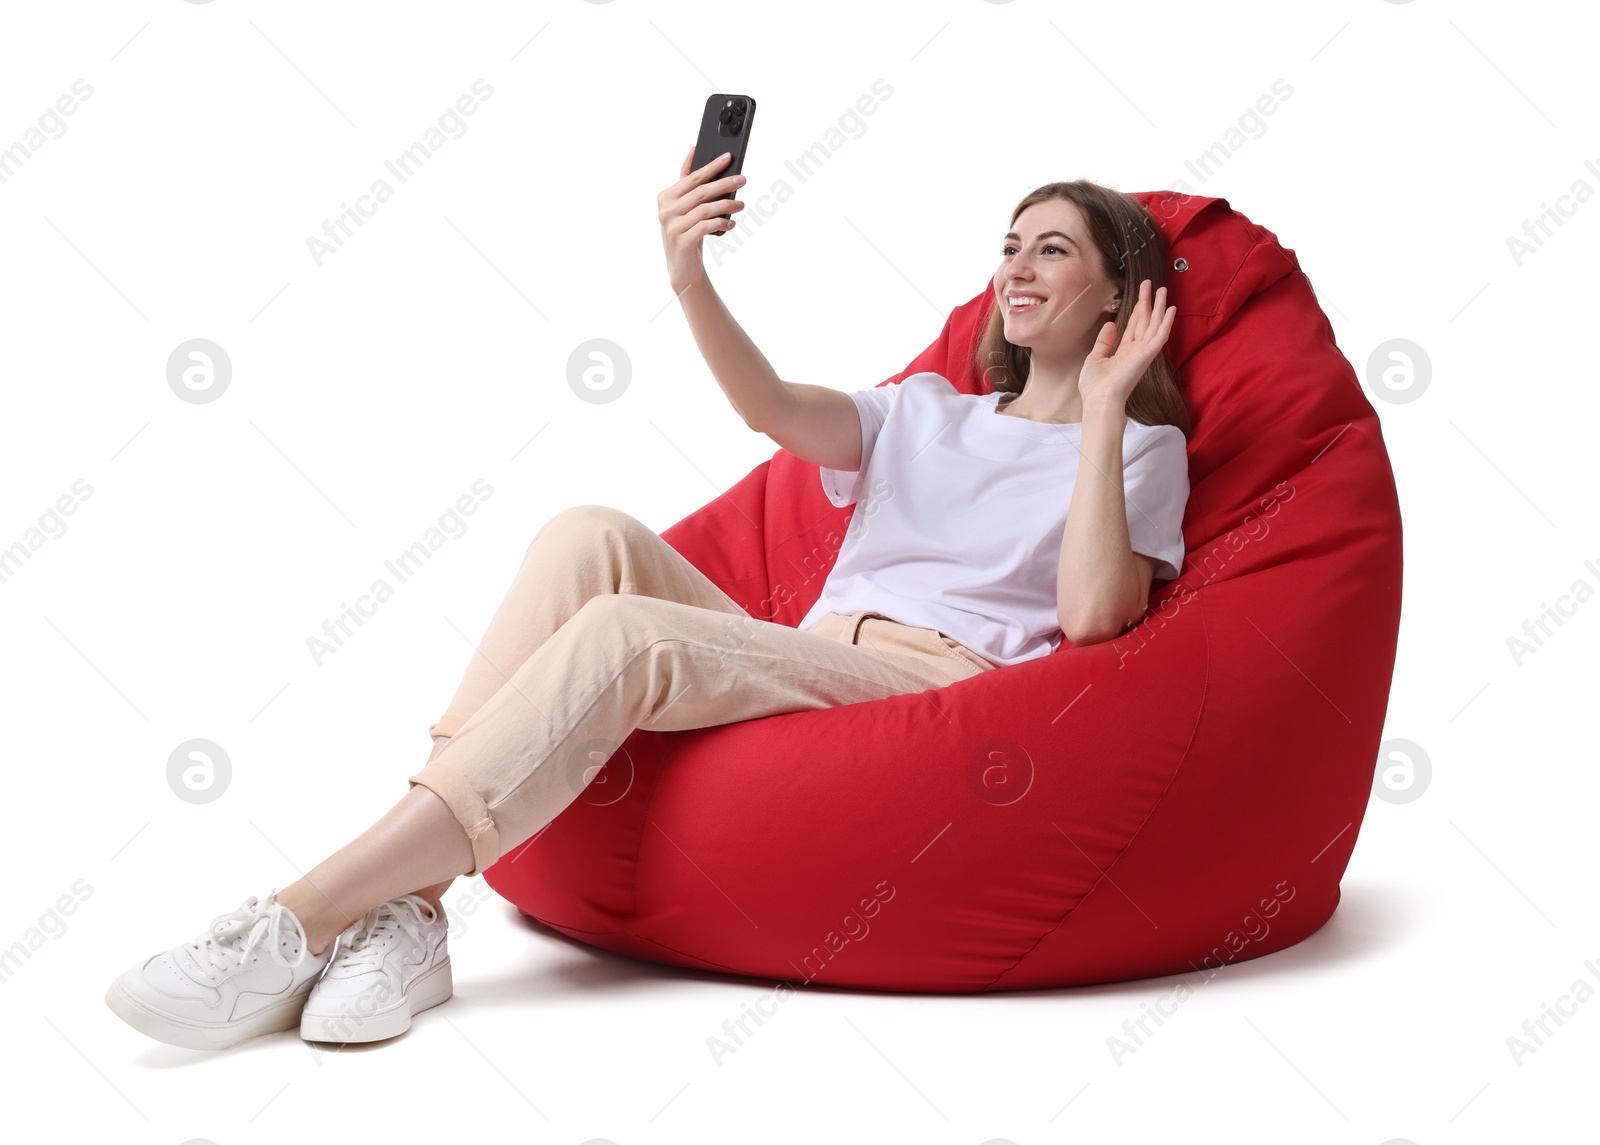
(175, 1031)
(427, 990)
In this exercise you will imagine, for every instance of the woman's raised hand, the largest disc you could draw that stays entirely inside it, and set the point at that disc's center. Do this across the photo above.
(1108, 378)
(690, 210)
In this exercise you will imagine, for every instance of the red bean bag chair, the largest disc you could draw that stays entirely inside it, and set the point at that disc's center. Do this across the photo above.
(1179, 798)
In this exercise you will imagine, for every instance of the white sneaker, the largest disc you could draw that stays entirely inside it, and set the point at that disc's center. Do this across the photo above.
(249, 974)
(389, 966)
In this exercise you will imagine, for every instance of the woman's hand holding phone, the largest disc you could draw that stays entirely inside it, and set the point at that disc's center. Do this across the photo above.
(690, 209)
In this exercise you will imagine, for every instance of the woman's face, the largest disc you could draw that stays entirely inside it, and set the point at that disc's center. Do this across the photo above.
(1050, 256)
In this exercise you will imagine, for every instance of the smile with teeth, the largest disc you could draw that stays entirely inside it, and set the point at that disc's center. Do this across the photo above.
(1016, 304)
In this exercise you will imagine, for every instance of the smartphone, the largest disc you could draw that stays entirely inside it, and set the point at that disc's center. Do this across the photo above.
(725, 126)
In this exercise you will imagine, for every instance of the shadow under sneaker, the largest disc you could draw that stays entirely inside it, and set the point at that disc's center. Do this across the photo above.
(249, 974)
(389, 966)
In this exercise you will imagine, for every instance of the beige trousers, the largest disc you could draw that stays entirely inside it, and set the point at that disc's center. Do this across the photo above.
(607, 628)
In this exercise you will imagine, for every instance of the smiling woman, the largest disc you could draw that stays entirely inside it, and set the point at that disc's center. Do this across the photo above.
(1075, 337)
(1075, 247)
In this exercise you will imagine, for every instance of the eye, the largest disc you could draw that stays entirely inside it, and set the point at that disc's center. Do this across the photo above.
(1009, 249)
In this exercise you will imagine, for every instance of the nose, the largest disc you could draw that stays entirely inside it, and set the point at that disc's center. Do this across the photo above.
(1018, 269)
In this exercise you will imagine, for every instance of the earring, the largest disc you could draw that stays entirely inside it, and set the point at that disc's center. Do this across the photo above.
(1113, 306)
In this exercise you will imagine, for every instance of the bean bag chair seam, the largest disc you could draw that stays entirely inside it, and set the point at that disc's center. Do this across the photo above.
(825, 516)
(636, 938)
(1194, 732)
(1227, 287)
(808, 527)
(1224, 296)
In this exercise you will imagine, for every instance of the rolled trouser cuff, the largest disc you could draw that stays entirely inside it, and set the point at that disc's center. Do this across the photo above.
(448, 725)
(469, 809)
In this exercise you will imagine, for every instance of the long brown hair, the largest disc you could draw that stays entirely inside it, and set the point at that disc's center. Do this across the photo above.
(1131, 249)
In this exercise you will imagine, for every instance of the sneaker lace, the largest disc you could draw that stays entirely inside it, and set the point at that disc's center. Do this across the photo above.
(365, 941)
(234, 935)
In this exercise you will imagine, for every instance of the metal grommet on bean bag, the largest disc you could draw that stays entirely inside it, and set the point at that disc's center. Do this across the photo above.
(1195, 806)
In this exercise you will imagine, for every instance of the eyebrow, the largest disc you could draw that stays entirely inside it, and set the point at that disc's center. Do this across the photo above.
(1046, 235)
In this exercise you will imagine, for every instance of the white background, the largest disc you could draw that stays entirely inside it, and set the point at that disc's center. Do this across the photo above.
(370, 392)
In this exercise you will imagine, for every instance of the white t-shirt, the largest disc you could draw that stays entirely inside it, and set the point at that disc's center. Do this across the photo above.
(962, 510)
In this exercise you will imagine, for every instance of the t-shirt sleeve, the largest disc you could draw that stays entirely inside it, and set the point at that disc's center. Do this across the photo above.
(1155, 490)
(872, 406)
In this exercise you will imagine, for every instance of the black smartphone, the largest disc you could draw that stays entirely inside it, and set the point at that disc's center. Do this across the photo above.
(725, 126)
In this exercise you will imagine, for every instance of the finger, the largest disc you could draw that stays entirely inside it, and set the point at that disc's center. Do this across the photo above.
(1140, 316)
(1159, 339)
(687, 160)
(692, 178)
(699, 188)
(714, 207)
(724, 185)
(1150, 308)
(683, 186)
(720, 160)
(1153, 309)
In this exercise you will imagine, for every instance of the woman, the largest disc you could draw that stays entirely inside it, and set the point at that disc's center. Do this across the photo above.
(606, 628)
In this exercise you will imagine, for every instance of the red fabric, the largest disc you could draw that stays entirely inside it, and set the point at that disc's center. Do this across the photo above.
(1185, 796)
